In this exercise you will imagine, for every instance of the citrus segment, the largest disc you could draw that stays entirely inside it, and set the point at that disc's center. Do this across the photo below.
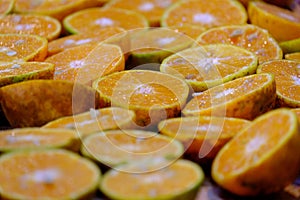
(155, 44)
(207, 14)
(43, 26)
(116, 147)
(202, 136)
(37, 138)
(179, 180)
(95, 120)
(151, 95)
(246, 97)
(47, 174)
(192, 31)
(151, 9)
(246, 164)
(56, 9)
(275, 19)
(94, 19)
(22, 47)
(290, 46)
(293, 56)
(85, 63)
(6, 6)
(250, 37)
(109, 34)
(31, 103)
(210, 65)
(286, 73)
(16, 72)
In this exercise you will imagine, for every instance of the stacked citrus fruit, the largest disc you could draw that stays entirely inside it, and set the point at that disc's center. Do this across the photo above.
(148, 91)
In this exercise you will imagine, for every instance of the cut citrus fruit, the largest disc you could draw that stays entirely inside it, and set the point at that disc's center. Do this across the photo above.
(297, 111)
(202, 136)
(246, 164)
(152, 95)
(207, 14)
(109, 34)
(151, 9)
(155, 44)
(290, 46)
(250, 37)
(210, 65)
(6, 6)
(94, 19)
(246, 98)
(38, 138)
(116, 147)
(286, 73)
(47, 174)
(85, 63)
(275, 19)
(44, 26)
(56, 9)
(293, 56)
(192, 31)
(95, 120)
(36, 102)
(22, 47)
(180, 180)
(17, 72)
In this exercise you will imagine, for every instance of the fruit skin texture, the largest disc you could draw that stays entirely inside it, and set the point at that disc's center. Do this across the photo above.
(268, 176)
(32, 103)
(280, 28)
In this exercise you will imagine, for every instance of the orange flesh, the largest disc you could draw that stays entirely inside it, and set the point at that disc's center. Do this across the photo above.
(277, 11)
(287, 77)
(30, 5)
(24, 175)
(207, 14)
(141, 89)
(248, 37)
(192, 31)
(293, 56)
(5, 5)
(208, 63)
(92, 20)
(227, 92)
(11, 69)
(28, 24)
(161, 182)
(256, 142)
(33, 138)
(16, 48)
(204, 127)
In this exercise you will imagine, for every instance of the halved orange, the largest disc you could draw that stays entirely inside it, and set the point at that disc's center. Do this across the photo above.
(192, 31)
(22, 47)
(56, 9)
(246, 98)
(155, 44)
(36, 102)
(47, 174)
(109, 34)
(6, 6)
(180, 180)
(38, 138)
(94, 19)
(16, 72)
(250, 37)
(152, 95)
(44, 26)
(286, 73)
(151, 9)
(85, 63)
(207, 14)
(116, 147)
(210, 65)
(275, 19)
(202, 136)
(95, 120)
(293, 56)
(246, 164)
